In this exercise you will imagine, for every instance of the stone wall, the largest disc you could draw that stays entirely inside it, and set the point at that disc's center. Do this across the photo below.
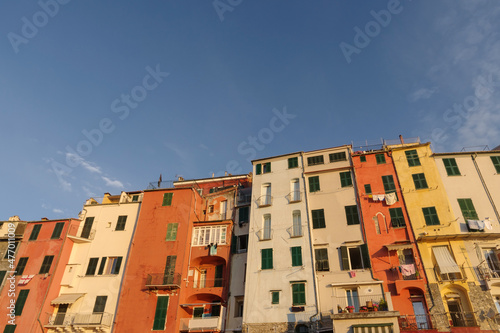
(483, 305)
(270, 327)
(436, 308)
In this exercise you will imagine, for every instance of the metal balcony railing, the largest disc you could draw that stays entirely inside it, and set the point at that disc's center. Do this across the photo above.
(215, 283)
(103, 319)
(294, 196)
(462, 319)
(163, 281)
(449, 276)
(487, 273)
(204, 323)
(415, 322)
(244, 199)
(295, 231)
(358, 302)
(81, 232)
(265, 234)
(265, 200)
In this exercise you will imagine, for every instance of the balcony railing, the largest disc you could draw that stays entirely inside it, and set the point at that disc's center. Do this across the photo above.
(462, 319)
(295, 231)
(80, 319)
(265, 200)
(487, 273)
(415, 322)
(294, 196)
(215, 283)
(400, 274)
(359, 302)
(81, 234)
(163, 281)
(265, 234)
(244, 199)
(449, 276)
(205, 323)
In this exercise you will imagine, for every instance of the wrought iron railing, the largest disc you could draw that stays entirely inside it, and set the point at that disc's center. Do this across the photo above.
(415, 322)
(163, 280)
(80, 319)
(82, 232)
(450, 276)
(265, 200)
(265, 234)
(295, 231)
(487, 273)
(462, 319)
(359, 303)
(213, 283)
(294, 196)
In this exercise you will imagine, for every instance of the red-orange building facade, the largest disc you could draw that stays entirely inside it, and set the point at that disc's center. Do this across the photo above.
(391, 242)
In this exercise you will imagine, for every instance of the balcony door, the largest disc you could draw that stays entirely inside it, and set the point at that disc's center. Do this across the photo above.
(492, 260)
(61, 313)
(87, 227)
(203, 278)
(456, 313)
(420, 315)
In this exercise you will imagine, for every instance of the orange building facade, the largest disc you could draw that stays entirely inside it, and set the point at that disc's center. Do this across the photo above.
(41, 258)
(391, 243)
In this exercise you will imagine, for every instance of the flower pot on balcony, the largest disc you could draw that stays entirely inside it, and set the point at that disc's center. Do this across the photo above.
(369, 304)
(350, 310)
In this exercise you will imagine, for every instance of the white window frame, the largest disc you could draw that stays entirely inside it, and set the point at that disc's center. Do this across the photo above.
(203, 236)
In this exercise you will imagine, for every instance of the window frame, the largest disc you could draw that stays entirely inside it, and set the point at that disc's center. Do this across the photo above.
(100, 304)
(362, 158)
(167, 199)
(171, 232)
(496, 163)
(345, 179)
(338, 157)
(467, 208)
(92, 266)
(380, 158)
(315, 160)
(46, 265)
(293, 162)
(318, 218)
(217, 235)
(58, 228)
(314, 184)
(120, 224)
(397, 217)
(296, 252)
(321, 264)
(266, 256)
(35, 232)
(451, 167)
(412, 158)
(430, 215)
(419, 181)
(352, 215)
(113, 266)
(298, 293)
(24, 263)
(21, 301)
(275, 297)
(161, 308)
(368, 189)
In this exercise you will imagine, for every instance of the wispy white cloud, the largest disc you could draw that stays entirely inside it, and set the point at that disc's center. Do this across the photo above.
(57, 211)
(78, 160)
(113, 183)
(422, 93)
(183, 155)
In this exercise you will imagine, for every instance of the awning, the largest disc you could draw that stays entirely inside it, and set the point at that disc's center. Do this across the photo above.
(66, 299)
(392, 247)
(444, 260)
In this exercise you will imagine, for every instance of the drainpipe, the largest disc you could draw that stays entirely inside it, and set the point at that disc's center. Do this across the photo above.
(52, 275)
(316, 291)
(485, 186)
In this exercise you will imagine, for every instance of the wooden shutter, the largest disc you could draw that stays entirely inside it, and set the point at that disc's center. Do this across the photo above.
(160, 313)
(345, 258)
(366, 256)
(21, 300)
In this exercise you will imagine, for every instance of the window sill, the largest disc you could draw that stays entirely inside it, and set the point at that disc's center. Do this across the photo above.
(294, 201)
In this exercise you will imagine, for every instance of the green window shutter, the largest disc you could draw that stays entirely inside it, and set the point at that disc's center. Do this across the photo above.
(451, 167)
(388, 182)
(496, 162)
(160, 313)
(172, 231)
(57, 230)
(234, 243)
(21, 265)
(167, 199)
(468, 210)
(267, 258)
(258, 169)
(335, 157)
(397, 217)
(321, 256)
(314, 160)
(430, 215)
(345, 179)
(293, 162)
(47, 262)
(299, 293)
(345, 258)
(243, 214)
(368, 189)
(362, 158)
(412, 158)
(116, 268)
(170, 265)
(9, 329)
(419, 181)
(100, 304)
(380, 158)
(366, 256)
(296, 256)
(102, 266)
(318, 217)
(275, 297)
(87, 227)
(21, 300)
(35, 232)
(314, 184)
(92, 266)
(267, 167)
(2, 276)
(351, 213)
(120, 225)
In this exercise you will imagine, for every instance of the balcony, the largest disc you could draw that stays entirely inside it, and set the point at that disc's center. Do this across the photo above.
(94, 320)
(355, 304)
(265, 234)
(201, 324)
(203, 284)
(80, 234)
(244, 198)
(442, 277)
(415, 322)
(295, 231)
(294, 196)
(462, 319)
(163, 281)
(264, 201)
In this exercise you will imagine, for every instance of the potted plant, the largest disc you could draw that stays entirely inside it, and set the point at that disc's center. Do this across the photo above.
(350, 308)
(382, 305)
(339, 309)
(375, 307)
(363, 309)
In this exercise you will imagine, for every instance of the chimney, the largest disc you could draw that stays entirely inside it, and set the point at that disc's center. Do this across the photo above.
(225, 174)
(401, 139)
(14, 218)
(44, 219)
(180, 179)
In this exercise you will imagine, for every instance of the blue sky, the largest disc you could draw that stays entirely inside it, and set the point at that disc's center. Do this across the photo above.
(191, 88)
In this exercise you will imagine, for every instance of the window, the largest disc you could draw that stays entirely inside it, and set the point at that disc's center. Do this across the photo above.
(397, 218)
(351, 213)
(238, 306)
(377, 223)
(114, 264)
(243, 214)
(321, 256)
(314, 160)
(412, 158)
(368, 189)
(100, 304)
(9, 252)
(167, 199)
(314, 184)
(210, 208)
(275, 297)
(267, 227)
(297, 224)
(388, 182)
(212, 234)
(35, 232)
(265, 199)
(161, 313)
(21, 265)
(101, 266)
(91, 268)
(135, 198)
(345, 179)
(120, 225)
(451, 167)
(171, 231)
(262, 168)
(293, 162)
(21, 300)
(198, 312)
(296, 256)
(430, 215)
(419, 181)
(170, 267)
(239, 244)
(380, 158)
(87, 228)
(468, 210)
(362, 158)
(299, 293)
(267, 258)
(355, 257)
(57, 230)
(335, 157)
(496, 162)
(318, 217)
(47, 262)
(9, 329)
(295, 190)
(2, 276)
